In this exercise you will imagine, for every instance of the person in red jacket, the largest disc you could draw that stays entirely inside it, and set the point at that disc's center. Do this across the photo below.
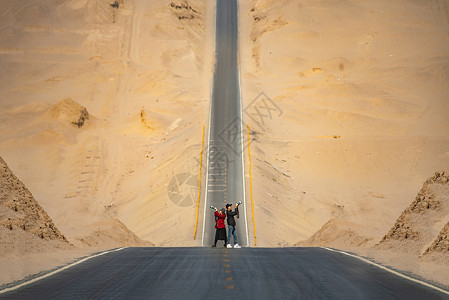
(220, 232)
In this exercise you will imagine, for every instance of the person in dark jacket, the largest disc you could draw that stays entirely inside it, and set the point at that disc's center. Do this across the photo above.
(231, 224)
(220, 232)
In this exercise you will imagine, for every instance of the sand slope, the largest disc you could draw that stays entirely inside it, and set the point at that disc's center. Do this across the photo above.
(419, 225)
(21, 212)
(101, 107)
(336, 233)
(25, 228)
(440, 246)
(348, 114)
(29, 240)
(355, 111)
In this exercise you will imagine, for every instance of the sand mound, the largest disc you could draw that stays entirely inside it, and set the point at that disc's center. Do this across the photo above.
(20, 243)
(111, 233)
(420, 223)
(336, 233)
(441, 243)
(183, 10)
(69, 111)
(19, 209)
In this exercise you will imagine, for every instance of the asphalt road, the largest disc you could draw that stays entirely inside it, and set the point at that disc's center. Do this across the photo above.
(225, 181)
(204, 273)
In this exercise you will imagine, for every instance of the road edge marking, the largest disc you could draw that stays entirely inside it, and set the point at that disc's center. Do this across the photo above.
(13, 288)
(199, 186)
(209, 125)
(251, 187)
(389, 270)
(241, 121)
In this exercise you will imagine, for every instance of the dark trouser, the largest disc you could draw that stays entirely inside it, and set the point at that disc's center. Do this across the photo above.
(232, 232)
(220, 234)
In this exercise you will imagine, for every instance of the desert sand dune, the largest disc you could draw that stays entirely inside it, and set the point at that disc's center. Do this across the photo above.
(363, 107)
(419, 225)
(140, 74)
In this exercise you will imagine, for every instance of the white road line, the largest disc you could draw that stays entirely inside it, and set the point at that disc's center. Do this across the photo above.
(389, 270)
(241, 125)
(57, 271)
(210, 117)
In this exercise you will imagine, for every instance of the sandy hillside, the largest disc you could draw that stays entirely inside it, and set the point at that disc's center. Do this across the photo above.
(355, 115)
(21, 214)
(25, 229)
(29, 240)
(417, 242)
(418, 230)
(420, 224)
(101, 107)
(439, 250)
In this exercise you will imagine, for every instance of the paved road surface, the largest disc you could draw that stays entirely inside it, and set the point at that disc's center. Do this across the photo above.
(205, 273)
(225, 164)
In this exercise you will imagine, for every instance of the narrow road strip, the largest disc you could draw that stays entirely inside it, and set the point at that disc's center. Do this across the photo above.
(57, 271)
(225, 163)
(389, 270)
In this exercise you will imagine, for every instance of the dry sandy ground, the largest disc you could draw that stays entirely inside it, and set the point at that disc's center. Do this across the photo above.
(100, 109)
(29, 240)
(358, 117)
(417, 243)
(142, 72)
